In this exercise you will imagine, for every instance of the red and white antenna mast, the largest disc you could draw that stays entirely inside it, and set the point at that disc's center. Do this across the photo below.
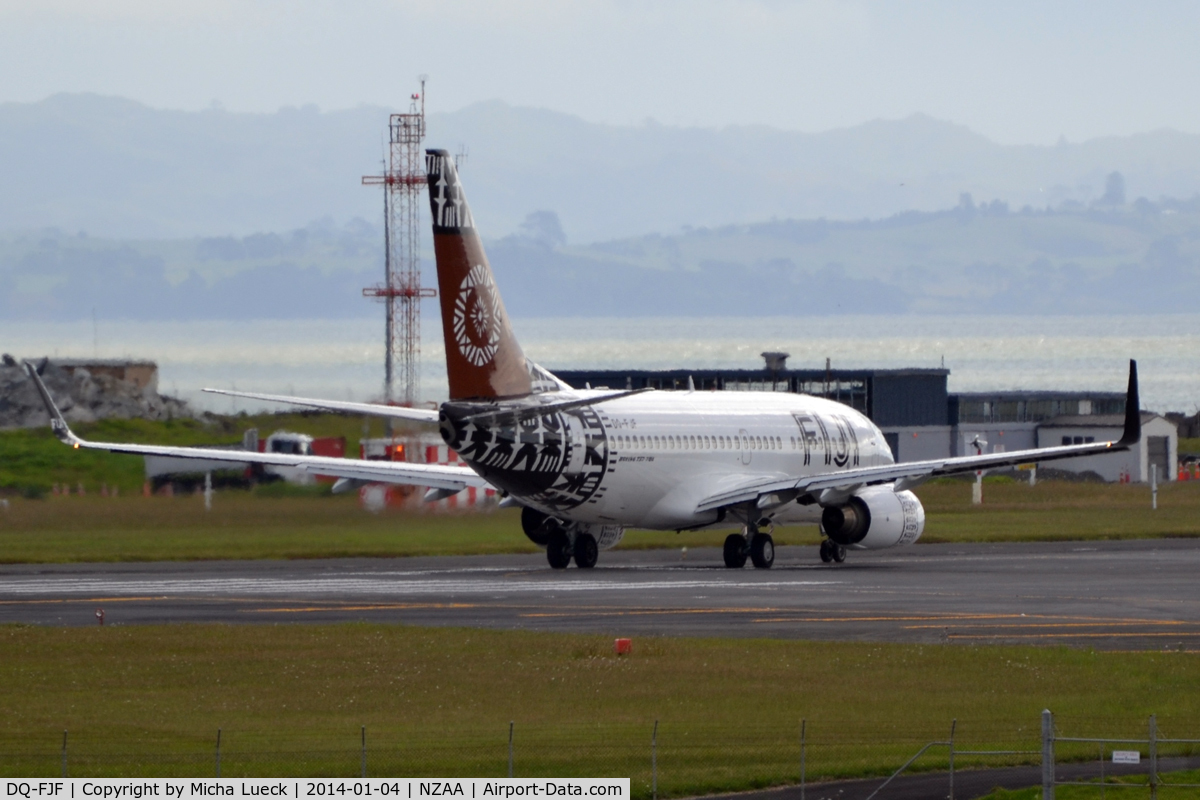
(403, 181)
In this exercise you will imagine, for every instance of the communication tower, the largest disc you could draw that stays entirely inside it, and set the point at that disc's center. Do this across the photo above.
(403, 180)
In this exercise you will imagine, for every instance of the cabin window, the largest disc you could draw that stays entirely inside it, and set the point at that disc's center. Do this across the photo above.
(1066, 440)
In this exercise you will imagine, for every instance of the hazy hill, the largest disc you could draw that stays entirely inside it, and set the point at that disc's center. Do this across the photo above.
(118, 169)
(1132, 258)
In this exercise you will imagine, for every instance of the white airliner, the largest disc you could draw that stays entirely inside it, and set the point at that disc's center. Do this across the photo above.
(585, 465)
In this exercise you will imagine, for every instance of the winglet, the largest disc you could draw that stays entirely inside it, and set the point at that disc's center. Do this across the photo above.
(1133, 412)
(57, 423)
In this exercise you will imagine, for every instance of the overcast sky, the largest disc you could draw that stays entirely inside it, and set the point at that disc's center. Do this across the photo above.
(1016, 71)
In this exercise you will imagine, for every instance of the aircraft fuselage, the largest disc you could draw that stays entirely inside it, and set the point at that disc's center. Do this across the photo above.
(647, 460)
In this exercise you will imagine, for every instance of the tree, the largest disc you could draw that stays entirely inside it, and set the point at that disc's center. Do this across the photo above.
(1114, 190)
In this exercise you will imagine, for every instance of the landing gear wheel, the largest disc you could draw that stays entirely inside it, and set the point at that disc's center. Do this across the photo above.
(558, 549)
(839, 553)
(586, 551)
(762, 551)
(826, 550)
(735, 551)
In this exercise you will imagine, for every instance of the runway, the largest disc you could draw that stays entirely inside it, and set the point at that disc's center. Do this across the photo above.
(1108, 595)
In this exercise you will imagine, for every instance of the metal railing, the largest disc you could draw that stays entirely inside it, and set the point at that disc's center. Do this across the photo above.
(1152, 740)
(666, 759)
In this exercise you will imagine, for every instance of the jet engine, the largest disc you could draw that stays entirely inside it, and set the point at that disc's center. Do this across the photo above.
(533, 522)
(875, 518)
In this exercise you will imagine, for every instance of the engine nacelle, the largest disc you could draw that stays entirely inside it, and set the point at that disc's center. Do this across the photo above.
(537, 526)
(875, 518)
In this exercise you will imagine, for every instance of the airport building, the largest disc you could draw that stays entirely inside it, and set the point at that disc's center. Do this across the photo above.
(921, 419)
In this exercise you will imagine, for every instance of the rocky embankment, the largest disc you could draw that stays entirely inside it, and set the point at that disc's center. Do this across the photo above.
(83, 395)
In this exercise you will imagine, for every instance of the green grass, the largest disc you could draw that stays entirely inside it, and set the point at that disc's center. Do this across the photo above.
(281, 522)
(149, 699)
(1095, 793)
(1056, 510)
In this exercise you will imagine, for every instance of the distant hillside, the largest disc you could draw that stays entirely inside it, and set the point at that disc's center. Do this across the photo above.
(1128, 258)
(118, 169)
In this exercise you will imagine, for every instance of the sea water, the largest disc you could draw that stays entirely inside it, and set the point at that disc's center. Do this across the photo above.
(343, 359)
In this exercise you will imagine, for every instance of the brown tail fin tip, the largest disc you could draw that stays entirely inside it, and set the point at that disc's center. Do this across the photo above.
(483, 358)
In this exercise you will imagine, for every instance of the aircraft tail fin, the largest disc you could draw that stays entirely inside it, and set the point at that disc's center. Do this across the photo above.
(483, 358)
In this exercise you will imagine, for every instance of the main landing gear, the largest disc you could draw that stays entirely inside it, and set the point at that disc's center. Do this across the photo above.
(832, 551)
(760, 547)
(560, 549)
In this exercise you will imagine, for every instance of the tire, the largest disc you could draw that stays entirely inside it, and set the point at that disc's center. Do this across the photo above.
(826, 550)
(586, 551)
(762, 551)
(735, 551)
(839, 553)
(558, 550)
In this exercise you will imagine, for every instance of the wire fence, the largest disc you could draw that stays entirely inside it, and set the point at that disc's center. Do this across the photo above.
(661, 759)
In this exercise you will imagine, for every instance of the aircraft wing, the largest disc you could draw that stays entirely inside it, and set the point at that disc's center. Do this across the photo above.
(436, 476)
(370, 409)
(831, 486)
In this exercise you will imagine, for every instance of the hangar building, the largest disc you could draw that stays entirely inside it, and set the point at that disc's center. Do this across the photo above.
(921, 420)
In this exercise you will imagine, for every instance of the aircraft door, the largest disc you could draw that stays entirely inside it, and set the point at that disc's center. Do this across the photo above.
(576, 444)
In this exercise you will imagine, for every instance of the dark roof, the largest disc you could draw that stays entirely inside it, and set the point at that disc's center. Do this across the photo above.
(1094, 421)
(1014, 394)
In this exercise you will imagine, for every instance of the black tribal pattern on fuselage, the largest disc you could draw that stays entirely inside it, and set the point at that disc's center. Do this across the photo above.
(555, 461)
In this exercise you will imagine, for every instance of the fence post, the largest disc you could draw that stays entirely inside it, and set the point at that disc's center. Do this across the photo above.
(654, 762)
(1153, 758)
(64, 754)
(1047, 755)
(510, 752)
(364, 751)
(953, 725)
(1154, 488)
(218, 752)
(802, 723)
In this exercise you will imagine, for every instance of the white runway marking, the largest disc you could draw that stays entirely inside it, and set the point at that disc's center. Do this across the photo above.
(359, 586)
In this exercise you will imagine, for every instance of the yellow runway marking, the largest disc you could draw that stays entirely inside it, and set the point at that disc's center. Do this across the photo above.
(1164, 635)
(81, 600)
(376, 607)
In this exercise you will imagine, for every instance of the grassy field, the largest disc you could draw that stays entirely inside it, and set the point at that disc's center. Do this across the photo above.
(290, 699)
(1129, 788)
(272, 522)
